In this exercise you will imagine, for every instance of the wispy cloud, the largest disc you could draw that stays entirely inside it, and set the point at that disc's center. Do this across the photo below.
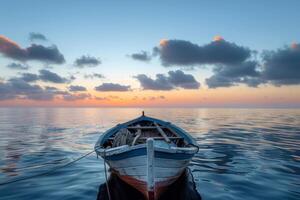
(48, 76)
(33, 36)
(76, 88)
(94, 75)
(87, 61)
(109, 87)
(141, 56)
(17, 66)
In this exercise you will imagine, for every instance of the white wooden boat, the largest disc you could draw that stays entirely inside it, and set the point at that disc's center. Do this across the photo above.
(147, 153)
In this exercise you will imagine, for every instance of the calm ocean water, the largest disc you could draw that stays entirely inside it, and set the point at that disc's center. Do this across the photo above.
(244, 153)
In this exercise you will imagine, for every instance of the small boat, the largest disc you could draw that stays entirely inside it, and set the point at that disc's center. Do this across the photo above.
(147, 153)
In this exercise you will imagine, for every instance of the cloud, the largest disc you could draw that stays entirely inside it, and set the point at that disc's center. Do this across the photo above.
(17, 66)
(101, 98)
(179, 79)
(6, 92)
(279, 67)
(44, 75)
(282, 67)
(47, 76)
(37, 37)
(76, 88)
(18, 88)
(185, 53)
(153, 98)
(160, 83)
(168, 82)
(29, 77)
(234, 74)
(107, 87)
(75, 97)
(87, 61)
(12, 50)
(114, 97)
(94, 75)
(141, 56)
(48, 54)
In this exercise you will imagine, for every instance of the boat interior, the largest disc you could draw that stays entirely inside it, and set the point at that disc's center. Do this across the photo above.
(138, 133)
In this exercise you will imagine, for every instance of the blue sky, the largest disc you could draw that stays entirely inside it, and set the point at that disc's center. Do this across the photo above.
(112, 31)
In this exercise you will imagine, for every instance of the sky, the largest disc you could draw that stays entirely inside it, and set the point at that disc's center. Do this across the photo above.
(150, 53)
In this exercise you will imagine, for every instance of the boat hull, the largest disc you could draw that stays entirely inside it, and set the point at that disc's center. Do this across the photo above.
(131, 167)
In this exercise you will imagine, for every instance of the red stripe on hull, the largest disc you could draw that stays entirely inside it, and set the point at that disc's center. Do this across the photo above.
(141, 186)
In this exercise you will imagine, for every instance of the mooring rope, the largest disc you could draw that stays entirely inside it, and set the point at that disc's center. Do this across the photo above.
(47, 172)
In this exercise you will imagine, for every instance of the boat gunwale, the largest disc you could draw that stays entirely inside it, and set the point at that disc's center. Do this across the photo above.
(126, 148)
(189, 139)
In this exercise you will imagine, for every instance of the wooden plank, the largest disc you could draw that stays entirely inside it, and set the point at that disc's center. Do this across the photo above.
(172, 131)
(150, 165)
(155, 138)
(142, 161)
(162, 133)
(138, 135)
(160, 172)
(160, 138)
(143, 127)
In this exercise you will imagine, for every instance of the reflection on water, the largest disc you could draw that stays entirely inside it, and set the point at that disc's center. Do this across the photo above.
(244, 153)
(182, 189)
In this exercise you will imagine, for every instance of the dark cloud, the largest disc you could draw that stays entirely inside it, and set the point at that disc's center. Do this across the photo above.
(29, 77)
(72, 77)
(279, 67)
(12, 50)
(107, 87)
(234, 74)
(56, 91)
(18, 88)
(162, 82)
(87, 61)
(48, 54)
(180, 79)
(6, 91)
(185, 53)
(18, 66)
(44, 75)
(75, 97)
(48, 76)
(282, 67)
(94, 75)
(37, 37)
(141, 56)
(76, 88)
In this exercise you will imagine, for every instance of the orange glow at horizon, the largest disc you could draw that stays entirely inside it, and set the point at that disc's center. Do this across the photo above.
(235, 96)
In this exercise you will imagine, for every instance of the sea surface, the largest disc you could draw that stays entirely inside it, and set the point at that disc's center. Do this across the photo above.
(244, 154)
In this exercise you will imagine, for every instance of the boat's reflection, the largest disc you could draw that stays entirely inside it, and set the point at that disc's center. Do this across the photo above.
(183, 189)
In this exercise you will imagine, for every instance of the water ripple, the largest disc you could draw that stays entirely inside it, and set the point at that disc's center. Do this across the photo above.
(244, 153)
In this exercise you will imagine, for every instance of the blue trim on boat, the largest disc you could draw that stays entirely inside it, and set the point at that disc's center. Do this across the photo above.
(142, 152)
